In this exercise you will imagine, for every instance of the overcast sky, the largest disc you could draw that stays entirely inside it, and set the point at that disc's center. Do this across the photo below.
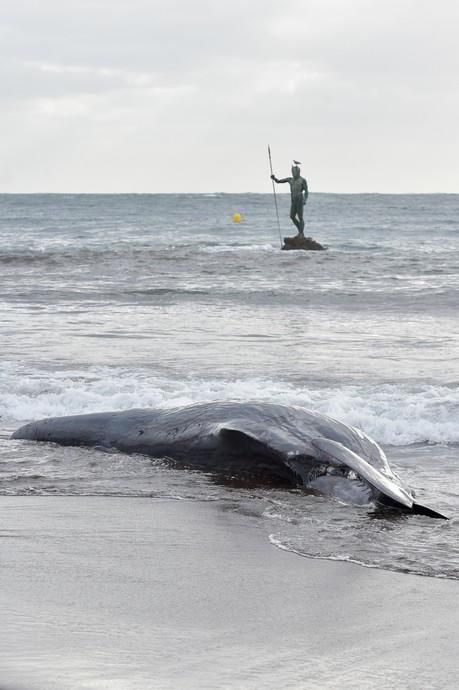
(185, 95)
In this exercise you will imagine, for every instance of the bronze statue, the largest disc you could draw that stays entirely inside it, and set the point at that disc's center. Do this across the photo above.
(299, 195)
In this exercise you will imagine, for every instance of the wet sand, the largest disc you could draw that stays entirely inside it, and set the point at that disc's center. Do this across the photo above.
(125, 594)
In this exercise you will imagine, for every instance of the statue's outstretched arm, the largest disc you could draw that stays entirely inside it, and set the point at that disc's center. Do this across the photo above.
(284, 179)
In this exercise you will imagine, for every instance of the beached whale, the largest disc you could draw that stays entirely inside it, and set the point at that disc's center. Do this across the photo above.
(276, 444)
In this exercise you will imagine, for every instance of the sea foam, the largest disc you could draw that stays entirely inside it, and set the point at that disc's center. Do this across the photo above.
(392, 414)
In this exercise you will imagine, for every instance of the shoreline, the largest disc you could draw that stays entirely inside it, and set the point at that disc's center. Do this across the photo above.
(160, 593)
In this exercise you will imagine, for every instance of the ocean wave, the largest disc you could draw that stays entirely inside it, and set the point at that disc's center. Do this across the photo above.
(84, 253)
(28, 258)
(168, 291)
(393, 414)
(224, 248)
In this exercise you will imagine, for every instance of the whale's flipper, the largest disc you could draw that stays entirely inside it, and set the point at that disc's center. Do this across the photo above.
(250, 455)
(236, 440)
(336, 453)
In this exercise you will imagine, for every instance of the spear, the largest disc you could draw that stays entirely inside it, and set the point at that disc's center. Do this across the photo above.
(275, 197)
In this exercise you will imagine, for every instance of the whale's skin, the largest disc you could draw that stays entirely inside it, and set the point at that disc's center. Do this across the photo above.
(201, 436)
(277, 444)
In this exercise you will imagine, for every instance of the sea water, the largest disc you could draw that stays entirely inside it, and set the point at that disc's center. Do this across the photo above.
(109, 302)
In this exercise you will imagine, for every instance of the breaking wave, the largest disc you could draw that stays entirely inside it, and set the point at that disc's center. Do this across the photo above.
(392, 414)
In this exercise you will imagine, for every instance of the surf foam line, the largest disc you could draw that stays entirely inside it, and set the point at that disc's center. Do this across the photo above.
(392, 414)
(348, 558)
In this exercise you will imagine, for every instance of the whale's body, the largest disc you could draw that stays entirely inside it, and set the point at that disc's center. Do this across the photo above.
(276, 444)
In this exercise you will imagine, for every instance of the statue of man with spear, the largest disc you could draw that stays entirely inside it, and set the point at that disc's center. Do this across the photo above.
(299, 195)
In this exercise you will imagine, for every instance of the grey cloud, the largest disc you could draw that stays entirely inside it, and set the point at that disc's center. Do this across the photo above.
(137, 35)
(355, 81)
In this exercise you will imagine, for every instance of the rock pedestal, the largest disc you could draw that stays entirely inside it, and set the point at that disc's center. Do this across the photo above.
(301, 242)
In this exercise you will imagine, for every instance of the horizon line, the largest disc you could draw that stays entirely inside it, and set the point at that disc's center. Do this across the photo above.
(215, 193)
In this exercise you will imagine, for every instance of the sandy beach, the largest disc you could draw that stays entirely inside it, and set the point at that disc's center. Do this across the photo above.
(127, 593)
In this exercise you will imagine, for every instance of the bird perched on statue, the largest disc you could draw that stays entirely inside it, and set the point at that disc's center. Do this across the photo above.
(297, 163)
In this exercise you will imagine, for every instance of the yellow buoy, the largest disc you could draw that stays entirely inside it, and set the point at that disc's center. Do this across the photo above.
(237, 217)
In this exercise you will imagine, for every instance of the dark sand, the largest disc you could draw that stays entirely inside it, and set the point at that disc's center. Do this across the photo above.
(145, 594)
